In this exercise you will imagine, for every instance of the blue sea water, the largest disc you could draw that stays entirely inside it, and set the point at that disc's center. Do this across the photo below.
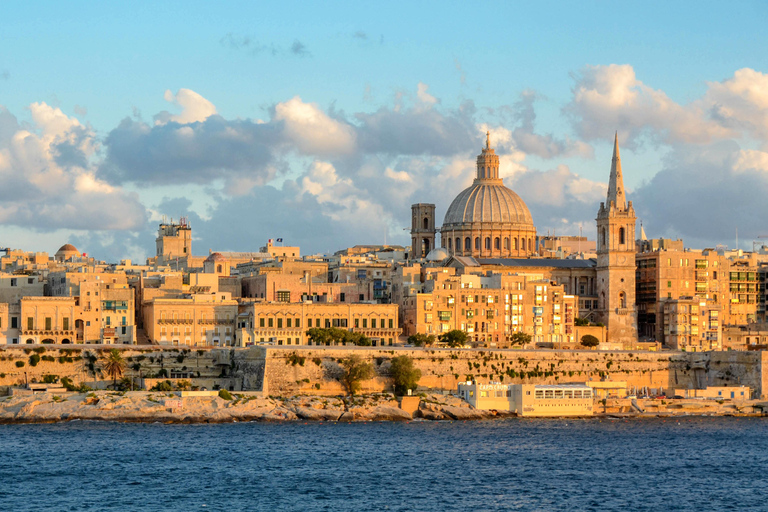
(515, 464)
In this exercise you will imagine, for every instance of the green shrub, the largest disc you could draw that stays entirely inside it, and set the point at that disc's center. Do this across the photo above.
(50, 379)
(163, 386)
(226, 395)
(20, 364)
(34, 359)
(39, 350)
(50, 359)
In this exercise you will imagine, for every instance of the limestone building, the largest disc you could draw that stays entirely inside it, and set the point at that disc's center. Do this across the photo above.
(488, 220)
(616, 259)
(422, 229)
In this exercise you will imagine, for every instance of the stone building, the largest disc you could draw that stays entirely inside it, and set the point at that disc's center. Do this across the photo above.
(488, 220)
(199, 320)
(287, 323)
(47, 320)
(692, 323)
(490, 309)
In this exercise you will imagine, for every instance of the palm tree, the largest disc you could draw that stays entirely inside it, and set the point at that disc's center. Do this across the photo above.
(114, 365)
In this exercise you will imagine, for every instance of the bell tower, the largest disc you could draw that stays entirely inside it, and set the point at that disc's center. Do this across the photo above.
(616, 259)
(422, 229)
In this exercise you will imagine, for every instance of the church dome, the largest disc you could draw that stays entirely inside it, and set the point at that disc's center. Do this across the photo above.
(437, 254)
(488, 202)
(216, 256)
(488, 220)
(67, 248)
(66, 252)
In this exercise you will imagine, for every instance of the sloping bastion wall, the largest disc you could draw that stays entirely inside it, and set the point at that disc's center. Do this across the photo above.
(286, 371)
(311, 370)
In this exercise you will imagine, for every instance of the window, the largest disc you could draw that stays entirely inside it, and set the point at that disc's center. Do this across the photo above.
(373, 323)
(30, 323)
(365, 323)
(14, 322)
(426, 223)
(65, 324)
(523, 244)
(309, 322)
(298, 322)
(269, 322)
(283, 296)
(279, 323)
(621, 235)
(506, 243)
(288, 322)
(391, 324)
(497, 243)
(342, 297)
(261, 322)
(13, 281)
(488, 243)
(477, 243)
(458, 244)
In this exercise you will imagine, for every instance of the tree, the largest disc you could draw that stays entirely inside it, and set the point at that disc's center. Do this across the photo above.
(404, 374)
(580, 321)
(421, 340)
(589, 341)
(113, 365)
(355, 370)
(454, 338)
(519, 338)
(333, 335)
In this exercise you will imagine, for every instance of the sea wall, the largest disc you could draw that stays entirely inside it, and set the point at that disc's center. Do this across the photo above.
(312, 370)
(83, 364)
(286, 371)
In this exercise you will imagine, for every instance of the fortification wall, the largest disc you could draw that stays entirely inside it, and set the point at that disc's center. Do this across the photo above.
(313, 370)
(82, 364)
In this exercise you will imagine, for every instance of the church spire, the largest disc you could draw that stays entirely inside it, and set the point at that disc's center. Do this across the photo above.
(616, 181)
(488, 139)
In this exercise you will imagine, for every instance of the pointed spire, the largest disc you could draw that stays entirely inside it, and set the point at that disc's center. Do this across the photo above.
(488, 139)
(616, 181)
(642, 233)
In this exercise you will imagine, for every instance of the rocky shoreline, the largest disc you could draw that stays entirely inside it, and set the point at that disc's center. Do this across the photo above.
(143, 406)
(152, 407)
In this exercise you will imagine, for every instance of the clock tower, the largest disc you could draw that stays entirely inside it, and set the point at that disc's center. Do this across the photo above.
(616, 259)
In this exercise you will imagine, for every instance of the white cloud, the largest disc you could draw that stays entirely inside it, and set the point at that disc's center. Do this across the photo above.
(194, 108)
(608, 98)
(312, 131)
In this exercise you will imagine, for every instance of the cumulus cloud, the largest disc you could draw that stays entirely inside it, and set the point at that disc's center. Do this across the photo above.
(608, 98)
(704, 194)
(48, 180)
(193, 108)
(741, 103)
(311, 130)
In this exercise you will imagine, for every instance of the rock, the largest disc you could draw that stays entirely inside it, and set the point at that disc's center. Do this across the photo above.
(464, 413)
(312, 414)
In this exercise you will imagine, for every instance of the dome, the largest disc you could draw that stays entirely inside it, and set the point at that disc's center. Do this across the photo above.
(437, 254)
(488, 203)
(488, 220)
(216, 256)
(68, 248)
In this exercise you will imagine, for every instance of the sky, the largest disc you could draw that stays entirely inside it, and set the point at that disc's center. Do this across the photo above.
(322, 122)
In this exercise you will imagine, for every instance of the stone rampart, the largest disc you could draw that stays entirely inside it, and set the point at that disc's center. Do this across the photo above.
(314, 370)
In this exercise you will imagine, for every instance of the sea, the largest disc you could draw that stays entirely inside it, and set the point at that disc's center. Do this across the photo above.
(690, 463)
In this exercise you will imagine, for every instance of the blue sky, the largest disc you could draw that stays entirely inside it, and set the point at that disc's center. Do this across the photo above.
(322, 122)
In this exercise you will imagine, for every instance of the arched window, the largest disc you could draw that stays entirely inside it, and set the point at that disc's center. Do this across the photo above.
(426, 223)
(621, 235)
(530, 244)
(488, 243)
(506, 243)
(467, 244)
(458, 244)
(517, 244)
(218, 268)
(497, 243)
(477, 243)
(622, 300)
(522, 241)
(449, 244)
(602, 238)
